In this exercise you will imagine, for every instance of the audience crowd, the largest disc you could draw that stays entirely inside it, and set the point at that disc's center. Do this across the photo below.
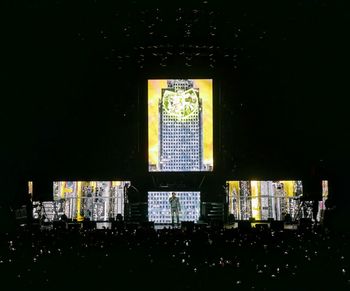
(135, 257)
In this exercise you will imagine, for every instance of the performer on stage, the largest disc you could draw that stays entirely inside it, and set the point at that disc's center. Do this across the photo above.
(174, 208)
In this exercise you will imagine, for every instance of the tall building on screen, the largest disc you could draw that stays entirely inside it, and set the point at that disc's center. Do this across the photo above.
(180, 127)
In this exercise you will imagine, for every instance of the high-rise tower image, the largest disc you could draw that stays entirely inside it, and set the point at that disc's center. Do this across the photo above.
(180, 127)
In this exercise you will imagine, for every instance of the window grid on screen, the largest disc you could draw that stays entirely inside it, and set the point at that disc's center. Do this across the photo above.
(180, 125)
(180, 139)
(159, 206)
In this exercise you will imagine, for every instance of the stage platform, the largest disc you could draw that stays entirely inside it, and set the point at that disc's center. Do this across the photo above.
(100, 225)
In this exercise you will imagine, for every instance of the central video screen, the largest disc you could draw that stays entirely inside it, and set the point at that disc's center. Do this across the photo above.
(180, 125)
(159, 206)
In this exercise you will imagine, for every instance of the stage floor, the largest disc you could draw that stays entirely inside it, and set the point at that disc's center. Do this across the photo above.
(226, 226)
(159, 226)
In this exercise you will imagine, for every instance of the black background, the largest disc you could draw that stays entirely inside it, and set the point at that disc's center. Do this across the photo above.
(73, 102)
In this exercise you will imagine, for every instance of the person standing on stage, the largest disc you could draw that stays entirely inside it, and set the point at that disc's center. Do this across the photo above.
(174, 208)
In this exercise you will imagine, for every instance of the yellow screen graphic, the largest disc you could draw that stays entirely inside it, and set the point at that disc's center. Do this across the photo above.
(262, 200)
(180, 125)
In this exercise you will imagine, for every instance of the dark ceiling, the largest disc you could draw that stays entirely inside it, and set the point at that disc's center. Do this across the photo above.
(74, 93)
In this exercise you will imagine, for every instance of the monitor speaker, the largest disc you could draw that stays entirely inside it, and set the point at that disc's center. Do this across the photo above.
(187, 225)
(118, 224)
(58, 224)
(74, 225)
(261, 226)
(244, 225)
(312, 189)
(87, 224)
(42, 190)
(305, 223)
(147, 224)
(277, 225)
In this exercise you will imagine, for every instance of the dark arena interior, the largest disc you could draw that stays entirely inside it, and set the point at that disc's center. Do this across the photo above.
(187, 145)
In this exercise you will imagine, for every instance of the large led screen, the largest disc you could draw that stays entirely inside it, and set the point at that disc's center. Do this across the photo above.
(180, 125)
(95, 200)
(322, 203)
(272, 199)
(159, 206)
(262, 200)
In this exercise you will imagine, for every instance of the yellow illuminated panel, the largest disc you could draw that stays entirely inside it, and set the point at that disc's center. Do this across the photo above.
(171, 113)
(325, 188)
(30, 188)
(94, 200)
(79, 216)
(264, 199)
(255, 186)
(233, 196)
(289, 188)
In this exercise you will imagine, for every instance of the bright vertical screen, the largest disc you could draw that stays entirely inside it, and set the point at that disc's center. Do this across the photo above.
(180, 125)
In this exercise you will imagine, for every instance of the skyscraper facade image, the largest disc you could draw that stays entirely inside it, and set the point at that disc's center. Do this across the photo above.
(180, 127)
